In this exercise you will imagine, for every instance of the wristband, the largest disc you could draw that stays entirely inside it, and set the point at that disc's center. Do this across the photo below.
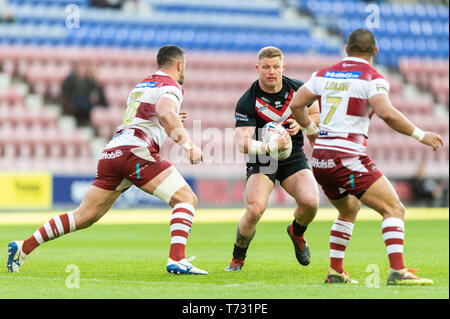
(188, 146)
(418, 134)
(255, 147)
(311, 129)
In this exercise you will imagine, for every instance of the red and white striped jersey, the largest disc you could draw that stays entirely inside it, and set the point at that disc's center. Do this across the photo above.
(343, 92)
(140, 125)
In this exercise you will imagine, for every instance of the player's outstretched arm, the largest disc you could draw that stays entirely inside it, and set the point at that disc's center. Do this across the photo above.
(166, 110)
(384, 109)
(246, 144)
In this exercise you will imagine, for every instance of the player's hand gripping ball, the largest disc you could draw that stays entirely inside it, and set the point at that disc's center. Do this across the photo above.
(270, 132)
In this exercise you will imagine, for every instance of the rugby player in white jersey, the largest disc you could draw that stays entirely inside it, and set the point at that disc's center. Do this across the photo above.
(349, 93)
(132, 157)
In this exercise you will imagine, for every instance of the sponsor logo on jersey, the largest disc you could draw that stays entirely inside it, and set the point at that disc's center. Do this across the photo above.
(342, 75)
(146, 84)
(240, 117)
(322, 163)
(112, 154)
(117, 135)
(323, 133)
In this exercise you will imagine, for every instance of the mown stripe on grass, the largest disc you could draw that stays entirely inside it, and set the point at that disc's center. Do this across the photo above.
(150, 216)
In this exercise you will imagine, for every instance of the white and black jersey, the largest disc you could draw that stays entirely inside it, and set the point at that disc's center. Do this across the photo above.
(256, 108)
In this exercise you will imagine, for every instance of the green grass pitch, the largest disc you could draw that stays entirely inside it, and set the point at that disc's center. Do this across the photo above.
(128, 261)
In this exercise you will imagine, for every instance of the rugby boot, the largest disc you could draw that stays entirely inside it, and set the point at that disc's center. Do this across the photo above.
(406, 277)
(300, 246)
(235, 265)
(338, 278)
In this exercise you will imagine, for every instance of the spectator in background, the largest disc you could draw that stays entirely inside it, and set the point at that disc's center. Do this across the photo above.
(81, 92)
(136, 6)
(115, 4)
(6, 14)
(96, 93)
(428, 191)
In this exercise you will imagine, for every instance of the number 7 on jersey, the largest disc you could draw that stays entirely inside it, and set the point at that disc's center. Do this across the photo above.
(335, 101)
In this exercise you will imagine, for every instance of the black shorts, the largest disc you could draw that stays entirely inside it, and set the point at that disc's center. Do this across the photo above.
(282, 170)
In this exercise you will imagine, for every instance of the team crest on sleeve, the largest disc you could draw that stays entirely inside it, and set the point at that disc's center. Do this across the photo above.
(382, 88)
(174, 94)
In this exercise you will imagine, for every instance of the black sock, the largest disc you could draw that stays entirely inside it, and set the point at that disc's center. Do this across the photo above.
(239, 252)
(298, 229)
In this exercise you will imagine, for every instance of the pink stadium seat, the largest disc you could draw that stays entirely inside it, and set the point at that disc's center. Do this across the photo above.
(20, 135)
(6, 133)
(8, 66)
(105, 130)
(97, 116)
(50, 136)
(11, 96)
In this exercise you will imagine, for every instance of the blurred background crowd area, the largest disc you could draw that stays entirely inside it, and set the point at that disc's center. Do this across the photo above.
(67, 67)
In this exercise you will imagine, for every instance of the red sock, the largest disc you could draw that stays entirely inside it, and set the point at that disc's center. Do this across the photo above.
(180, 227)
(340, 235)
(54, 228)
(393, 236)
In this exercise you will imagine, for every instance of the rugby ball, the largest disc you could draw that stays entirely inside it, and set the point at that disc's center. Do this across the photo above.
(271, 131)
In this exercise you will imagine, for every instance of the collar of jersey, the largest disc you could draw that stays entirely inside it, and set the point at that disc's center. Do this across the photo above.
(355, 59)
(161, 73)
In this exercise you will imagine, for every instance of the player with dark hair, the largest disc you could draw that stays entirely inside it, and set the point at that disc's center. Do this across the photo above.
(132, 157)
(349, 93)
(266, 101)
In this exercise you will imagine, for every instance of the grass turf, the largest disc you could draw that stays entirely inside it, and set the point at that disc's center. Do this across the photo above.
(128, 261)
